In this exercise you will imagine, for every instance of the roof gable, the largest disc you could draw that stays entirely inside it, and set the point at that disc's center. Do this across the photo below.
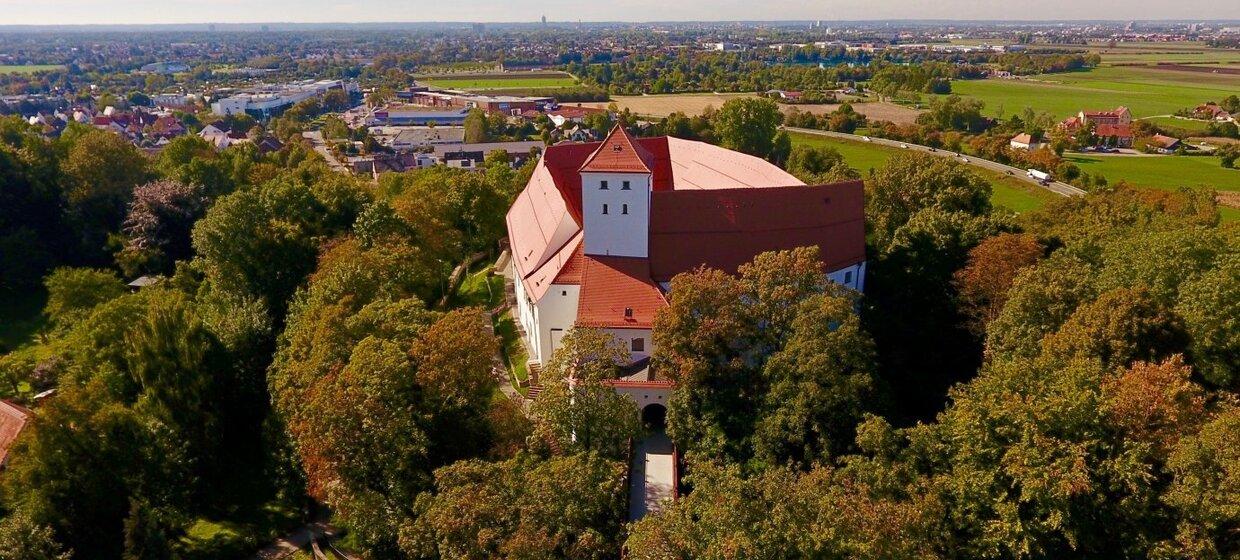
(616, 292)
(619, 154)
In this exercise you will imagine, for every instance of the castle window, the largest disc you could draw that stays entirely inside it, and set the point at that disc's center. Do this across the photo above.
(604, 208)
(639, 345)
(624, 186)
(848, 277)
(624, 209)
(602, 185)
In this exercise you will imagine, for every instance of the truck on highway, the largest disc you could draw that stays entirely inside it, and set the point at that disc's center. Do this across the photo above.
(1039, 176)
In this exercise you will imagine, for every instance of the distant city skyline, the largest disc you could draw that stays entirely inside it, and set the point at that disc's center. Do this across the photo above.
(79, 12)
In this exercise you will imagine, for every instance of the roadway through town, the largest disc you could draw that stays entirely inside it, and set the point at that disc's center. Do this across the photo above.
(1057, 187)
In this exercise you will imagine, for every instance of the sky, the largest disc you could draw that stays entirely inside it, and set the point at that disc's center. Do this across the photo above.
(52, 12)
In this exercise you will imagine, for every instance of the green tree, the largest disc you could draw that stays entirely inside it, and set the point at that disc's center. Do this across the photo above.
(819, 165)
(22, 539)
(101, 170)
(74, 292)
(576, 409)
(748, 125)
(476, 127)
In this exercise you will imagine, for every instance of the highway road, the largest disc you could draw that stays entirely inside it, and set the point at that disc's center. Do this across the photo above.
(1057, 187)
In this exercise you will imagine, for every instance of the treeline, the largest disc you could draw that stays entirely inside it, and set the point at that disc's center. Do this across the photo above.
(165, 409)
(1099, 422)
(736, 72)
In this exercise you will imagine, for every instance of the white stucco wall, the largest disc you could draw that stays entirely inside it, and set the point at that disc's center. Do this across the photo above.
(556, 310)
(644, 396)
(626, 336)
(616, 233)
(851, 276)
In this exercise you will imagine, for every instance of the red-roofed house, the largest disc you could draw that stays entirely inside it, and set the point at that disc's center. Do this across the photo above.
(13, 419)
(601, 228)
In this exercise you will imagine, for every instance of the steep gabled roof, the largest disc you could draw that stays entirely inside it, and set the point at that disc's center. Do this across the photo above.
(619, 153)
(617, 293)
(13, 418)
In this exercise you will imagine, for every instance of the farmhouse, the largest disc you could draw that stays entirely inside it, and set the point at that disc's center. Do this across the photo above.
(13, 419)
(1025, 141)
(1164, 144)
(601, 228)
(1112, 128)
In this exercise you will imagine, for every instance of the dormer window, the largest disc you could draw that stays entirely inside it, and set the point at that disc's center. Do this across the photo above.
(624, 186)
(602, 185)
(616, 147)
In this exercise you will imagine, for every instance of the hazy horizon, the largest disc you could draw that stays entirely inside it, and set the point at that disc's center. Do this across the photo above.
(154, 12)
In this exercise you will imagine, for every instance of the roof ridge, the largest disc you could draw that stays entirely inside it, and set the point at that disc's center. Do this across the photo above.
(634, 159)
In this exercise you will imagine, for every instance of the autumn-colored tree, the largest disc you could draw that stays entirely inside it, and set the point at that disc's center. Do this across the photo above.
(1155, 403)
(158, 225)
(983, 284)
(1118, 328)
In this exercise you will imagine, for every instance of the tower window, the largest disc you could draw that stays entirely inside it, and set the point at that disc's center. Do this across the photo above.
(624, 209)
(604, 208)
(624, 186)
(602, 185)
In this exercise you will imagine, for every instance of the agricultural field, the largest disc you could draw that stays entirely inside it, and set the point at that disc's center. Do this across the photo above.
(27, 68)
(1145, 90)
(1165, 172)
(1009, 192)
(512, 81)
(664, 105)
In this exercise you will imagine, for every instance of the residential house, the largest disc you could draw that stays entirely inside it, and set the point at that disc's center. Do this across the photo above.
(1025, 141)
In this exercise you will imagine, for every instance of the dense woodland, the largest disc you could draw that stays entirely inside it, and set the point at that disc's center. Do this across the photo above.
(1059, 384)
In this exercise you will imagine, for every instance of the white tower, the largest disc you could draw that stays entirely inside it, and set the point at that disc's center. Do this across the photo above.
(615, 197)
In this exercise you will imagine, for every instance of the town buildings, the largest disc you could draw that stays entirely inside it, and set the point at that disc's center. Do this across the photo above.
(601, 228)
(1025, 141)
(270, 100)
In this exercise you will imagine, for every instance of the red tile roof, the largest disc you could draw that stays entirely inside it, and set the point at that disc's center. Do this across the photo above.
(13, 418)
(573, 267)
(616, 292)
(619, 153)
(726, 228)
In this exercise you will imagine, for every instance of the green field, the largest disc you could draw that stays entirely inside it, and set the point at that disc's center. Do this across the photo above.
(1145, 91)
(1161, 172)
(27, 68)
(481, 83)
(1008, 192)
(1192, 126)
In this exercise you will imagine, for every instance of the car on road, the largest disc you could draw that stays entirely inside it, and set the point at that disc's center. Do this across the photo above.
(964, 159)
(932, 149)
(866, 138)
(905, 146)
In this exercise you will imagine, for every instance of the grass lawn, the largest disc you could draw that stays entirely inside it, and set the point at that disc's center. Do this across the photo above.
(1145, 91)
(209, 538)
(514, 350)
(479, 288)
(501, 83)
(1009, 192)
(27, 68)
